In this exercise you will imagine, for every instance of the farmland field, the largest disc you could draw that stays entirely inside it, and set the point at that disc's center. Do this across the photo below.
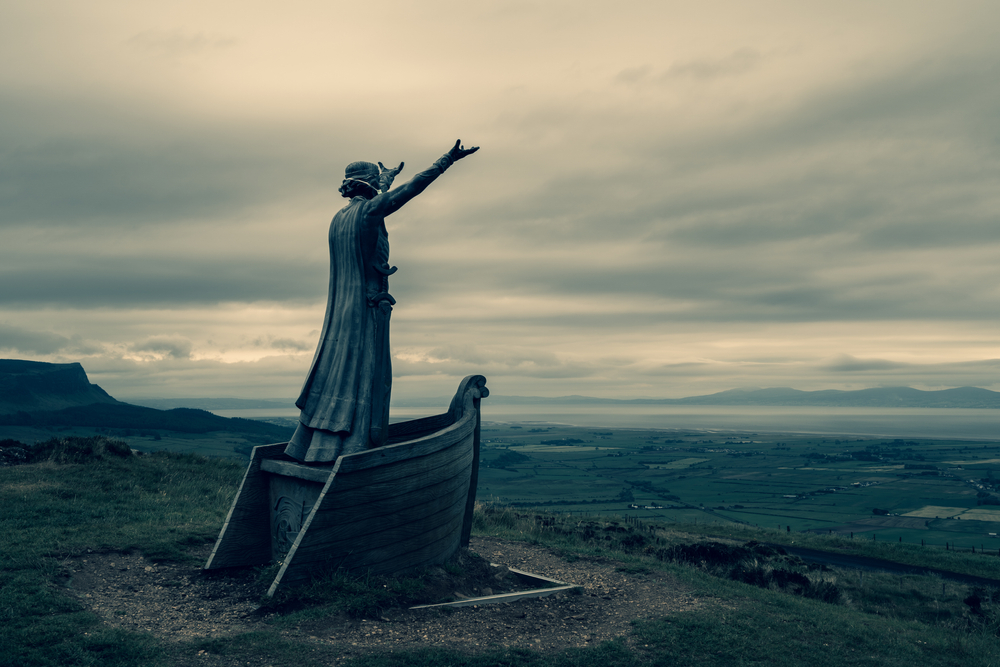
(933, 491)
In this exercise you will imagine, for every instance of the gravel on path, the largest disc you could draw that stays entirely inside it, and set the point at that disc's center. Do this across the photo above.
(181, 602)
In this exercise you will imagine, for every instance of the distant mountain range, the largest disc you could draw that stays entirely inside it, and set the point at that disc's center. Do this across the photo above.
(882, 397)
(61, 394)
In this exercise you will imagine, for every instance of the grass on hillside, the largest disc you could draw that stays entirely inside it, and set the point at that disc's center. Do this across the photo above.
(93, 494)
(163, 504)
(521, 524)
(730, 555)
(980, 564)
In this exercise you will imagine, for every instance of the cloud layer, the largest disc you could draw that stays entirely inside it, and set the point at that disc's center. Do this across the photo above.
(669, 201)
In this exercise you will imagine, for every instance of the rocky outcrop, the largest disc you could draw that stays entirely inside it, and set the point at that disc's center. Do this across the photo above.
(32, 386)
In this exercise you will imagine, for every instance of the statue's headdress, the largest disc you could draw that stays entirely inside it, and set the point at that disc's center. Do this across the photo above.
(365, 172)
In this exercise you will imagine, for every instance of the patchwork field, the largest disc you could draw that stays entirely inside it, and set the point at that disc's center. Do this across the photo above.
(935, 492)
(981, 515)
(679, 463)
(935, 512)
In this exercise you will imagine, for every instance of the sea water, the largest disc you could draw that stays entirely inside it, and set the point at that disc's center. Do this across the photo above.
(951, 423)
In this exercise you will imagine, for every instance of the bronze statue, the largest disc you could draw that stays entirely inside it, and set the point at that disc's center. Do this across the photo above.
(345, 398)
(359, 494)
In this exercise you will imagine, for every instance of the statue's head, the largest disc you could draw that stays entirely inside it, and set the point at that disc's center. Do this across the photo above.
(360, 179)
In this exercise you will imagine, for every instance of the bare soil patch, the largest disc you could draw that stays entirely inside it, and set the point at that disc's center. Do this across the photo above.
(168, 600)
(180, 602)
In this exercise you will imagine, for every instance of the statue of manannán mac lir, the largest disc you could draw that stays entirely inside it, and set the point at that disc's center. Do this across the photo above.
(345, 398)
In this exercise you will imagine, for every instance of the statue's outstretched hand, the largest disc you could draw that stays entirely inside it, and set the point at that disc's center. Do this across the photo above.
(386, 176)
(458, 151)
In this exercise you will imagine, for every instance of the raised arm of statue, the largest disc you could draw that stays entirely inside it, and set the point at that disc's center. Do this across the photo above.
(458, 151)
(389, 202)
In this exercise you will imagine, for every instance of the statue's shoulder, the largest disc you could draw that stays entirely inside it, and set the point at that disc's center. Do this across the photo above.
(351, 206)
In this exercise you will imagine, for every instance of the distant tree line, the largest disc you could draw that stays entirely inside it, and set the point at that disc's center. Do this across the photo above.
(506, 459)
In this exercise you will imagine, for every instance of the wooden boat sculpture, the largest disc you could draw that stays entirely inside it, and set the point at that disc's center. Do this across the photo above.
(387, 510)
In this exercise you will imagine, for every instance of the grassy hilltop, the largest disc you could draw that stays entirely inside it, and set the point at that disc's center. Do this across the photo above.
(756, 606)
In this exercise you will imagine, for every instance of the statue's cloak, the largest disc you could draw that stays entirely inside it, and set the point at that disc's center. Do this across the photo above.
(345, 398)
(336, 397)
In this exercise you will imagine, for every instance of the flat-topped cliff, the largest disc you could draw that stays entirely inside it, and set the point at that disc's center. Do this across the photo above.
(32, 386)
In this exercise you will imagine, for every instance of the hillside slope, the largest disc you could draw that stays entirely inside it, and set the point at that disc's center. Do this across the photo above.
(102, 565)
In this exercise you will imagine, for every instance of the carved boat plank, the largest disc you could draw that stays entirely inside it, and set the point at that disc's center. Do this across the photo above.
(433, 553)
(389, 498)
(417, 428)
(297, 470)
(244, 540)
(342, 541)
(422, 472)
(424, 548)
(470, 501)
(405, 451)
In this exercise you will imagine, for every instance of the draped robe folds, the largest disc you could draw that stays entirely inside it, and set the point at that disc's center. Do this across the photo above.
(345, 398)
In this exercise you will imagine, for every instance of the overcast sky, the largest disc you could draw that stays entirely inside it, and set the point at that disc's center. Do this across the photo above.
(671, 199)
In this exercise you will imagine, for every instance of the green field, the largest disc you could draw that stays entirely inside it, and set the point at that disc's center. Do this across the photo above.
(934, 492)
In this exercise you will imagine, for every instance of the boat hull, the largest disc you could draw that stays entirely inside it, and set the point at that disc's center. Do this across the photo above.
(388, 510)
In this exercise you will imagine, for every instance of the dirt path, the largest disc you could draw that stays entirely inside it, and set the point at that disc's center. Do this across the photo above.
(181, 603)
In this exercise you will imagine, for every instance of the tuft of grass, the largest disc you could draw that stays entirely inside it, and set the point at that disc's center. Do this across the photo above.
(608, 654)
(780, 632)
(79, 450)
